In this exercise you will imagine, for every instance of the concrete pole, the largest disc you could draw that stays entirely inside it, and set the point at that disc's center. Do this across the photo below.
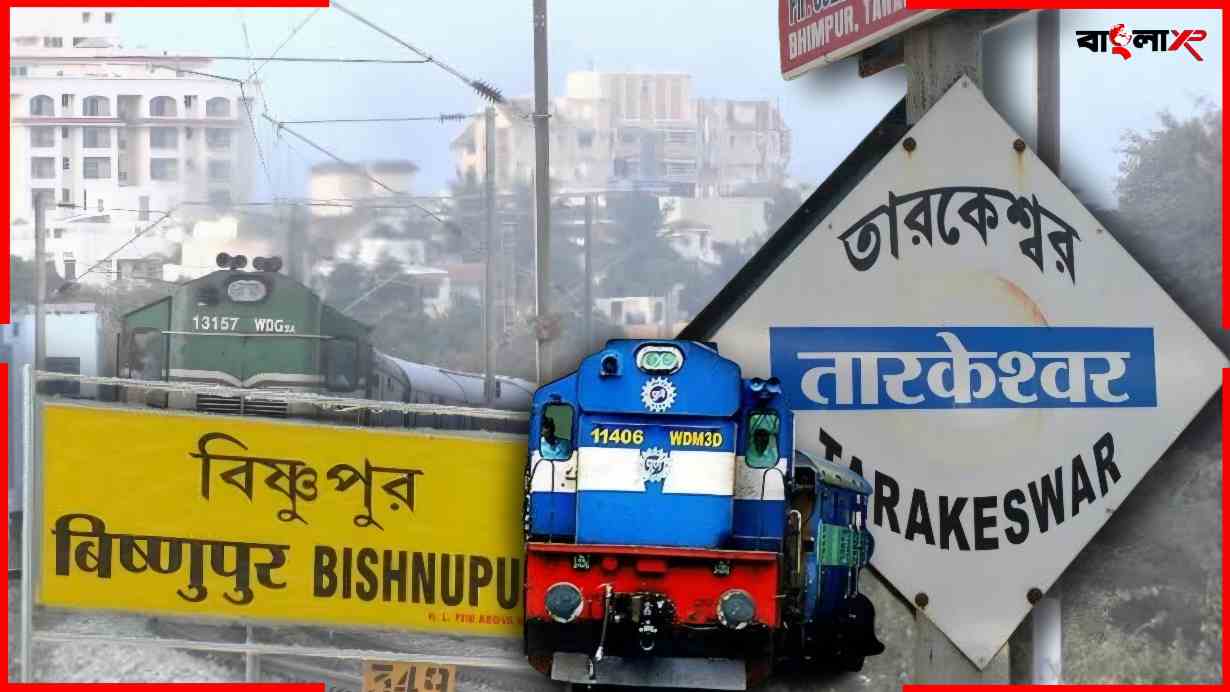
(937, 54)
(588, 305)
(542, 188)
(941, 51)
(489, 255)
(1046, 663)
(40, 282)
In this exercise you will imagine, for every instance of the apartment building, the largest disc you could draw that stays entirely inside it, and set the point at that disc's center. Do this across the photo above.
(634, 130)
(115, 138)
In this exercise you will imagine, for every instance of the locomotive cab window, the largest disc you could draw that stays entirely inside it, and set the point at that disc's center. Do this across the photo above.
(762, 433)
(555, 432)
(145, 354)
(341, 361)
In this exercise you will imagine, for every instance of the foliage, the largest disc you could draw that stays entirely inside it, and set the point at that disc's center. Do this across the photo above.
(783, 201)
(1171, 176)
(1142, 602)
(1170, 214)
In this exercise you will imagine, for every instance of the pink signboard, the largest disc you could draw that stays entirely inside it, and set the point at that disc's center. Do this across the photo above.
(814, 33)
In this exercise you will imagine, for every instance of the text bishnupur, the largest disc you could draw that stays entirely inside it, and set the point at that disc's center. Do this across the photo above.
(181, 514)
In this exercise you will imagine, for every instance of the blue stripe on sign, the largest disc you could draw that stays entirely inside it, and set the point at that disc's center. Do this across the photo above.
(651, 518)
(848, 368)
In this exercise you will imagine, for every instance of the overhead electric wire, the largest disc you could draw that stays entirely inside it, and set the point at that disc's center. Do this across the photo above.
(484, 89)
(256, 70)
(360, 170)
(260, 151)
(128, 242)
(443, 118)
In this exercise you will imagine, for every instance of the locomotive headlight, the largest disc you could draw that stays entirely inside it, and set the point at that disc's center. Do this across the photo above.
(564, 602)
(659, 359)
(736, 609)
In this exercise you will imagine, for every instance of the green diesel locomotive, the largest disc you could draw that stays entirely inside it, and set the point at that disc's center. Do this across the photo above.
(264, 330)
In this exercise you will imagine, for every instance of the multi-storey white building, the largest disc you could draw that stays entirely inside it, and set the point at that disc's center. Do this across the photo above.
(621, 130)
(115, 138)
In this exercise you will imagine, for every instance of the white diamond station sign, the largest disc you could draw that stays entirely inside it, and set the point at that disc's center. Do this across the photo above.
(962, 331)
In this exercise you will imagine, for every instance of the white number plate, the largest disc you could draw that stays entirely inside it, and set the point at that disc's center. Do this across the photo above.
(214, 323)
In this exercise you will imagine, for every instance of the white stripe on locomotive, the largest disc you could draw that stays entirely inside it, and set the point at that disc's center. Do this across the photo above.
(692, 472)
(564, 474)
(760, 484)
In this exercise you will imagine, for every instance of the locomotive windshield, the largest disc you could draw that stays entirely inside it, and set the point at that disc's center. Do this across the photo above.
(762, 428)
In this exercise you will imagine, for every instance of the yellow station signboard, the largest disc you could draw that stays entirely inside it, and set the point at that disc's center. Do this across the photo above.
(212, 515)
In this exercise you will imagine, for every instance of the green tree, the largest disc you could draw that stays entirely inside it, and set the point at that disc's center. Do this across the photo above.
(1170, 214)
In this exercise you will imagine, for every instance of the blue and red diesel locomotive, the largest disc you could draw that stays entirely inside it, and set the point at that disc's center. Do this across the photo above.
(673, 536)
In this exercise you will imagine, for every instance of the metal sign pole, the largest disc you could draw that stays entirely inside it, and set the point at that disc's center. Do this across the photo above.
(27, 521)
(937, 54)
(489, 257)
(1047, 620)
(542, 188)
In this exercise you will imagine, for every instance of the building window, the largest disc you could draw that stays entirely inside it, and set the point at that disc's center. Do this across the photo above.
(220, 171)
(42, 106)
(66, 163)
(66, 197)
(96, 137)
(19, 71)
(96, 106)
(585, 138)
(217, 138)
(189, 101)
(26, 40)
(143, 213)
(101, 208)
(53, 42)
(218, 107)
(57, 233)
(85, 17)
(107, 17)
(97, 167)
(42, 137)
(43, 167)
(164, 169)
(64, 132)
(187, 133)
(162, 107)
(163, 138)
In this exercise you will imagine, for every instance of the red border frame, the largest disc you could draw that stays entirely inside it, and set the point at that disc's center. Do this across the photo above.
(914, 4)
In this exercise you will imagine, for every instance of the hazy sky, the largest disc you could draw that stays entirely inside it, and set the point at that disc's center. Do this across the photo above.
(729, 47)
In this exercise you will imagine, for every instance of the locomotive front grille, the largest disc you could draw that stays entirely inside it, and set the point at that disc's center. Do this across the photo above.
(235, 406)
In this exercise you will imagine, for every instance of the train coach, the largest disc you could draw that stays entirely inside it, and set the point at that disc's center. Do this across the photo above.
(264, 330)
